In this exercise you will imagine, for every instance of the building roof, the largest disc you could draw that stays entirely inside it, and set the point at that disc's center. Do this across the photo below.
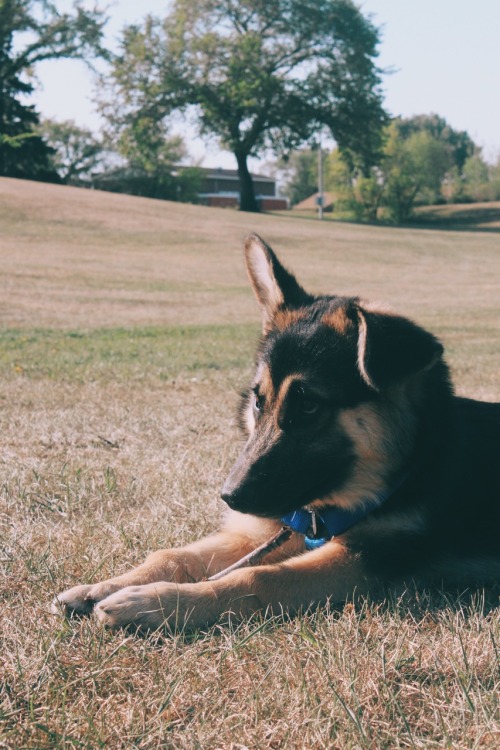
(231, 174)
(311, 203)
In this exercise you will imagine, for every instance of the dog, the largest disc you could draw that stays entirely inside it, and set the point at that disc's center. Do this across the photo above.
(356, 443)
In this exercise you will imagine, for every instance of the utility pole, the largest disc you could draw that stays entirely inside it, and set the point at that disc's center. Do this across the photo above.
(320, 180)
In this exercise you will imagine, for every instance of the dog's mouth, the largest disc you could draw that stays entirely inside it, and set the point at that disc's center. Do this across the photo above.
(274, 503)
(287, 476)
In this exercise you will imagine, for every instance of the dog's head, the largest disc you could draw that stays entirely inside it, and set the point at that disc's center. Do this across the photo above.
(333, 408)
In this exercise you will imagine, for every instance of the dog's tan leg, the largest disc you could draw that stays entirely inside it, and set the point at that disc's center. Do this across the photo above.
(183, 565)
(331, 572)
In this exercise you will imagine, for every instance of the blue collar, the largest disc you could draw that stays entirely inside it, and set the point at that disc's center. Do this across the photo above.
(319, 526)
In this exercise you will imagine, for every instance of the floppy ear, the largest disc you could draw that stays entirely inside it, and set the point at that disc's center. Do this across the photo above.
(273, 285)
(391, 348)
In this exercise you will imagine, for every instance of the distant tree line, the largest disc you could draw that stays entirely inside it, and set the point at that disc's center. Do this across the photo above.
(258, 77)
(149, 168)
(423, 161)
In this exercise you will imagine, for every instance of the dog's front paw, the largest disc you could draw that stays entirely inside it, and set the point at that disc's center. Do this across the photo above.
(81, 600)
(145, 607)
(74, 601)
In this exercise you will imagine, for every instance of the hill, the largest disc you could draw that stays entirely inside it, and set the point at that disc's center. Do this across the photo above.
(72, 257)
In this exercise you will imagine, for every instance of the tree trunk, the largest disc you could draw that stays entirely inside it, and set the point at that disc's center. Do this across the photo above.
(247, 195)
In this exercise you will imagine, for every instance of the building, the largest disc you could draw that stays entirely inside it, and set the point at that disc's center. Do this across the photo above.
(312, 203)
(218, 187)
(221, 187)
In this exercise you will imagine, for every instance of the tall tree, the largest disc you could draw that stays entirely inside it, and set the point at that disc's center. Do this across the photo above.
(260, 74)
(32, 31)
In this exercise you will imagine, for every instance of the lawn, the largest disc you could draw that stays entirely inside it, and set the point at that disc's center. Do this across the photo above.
(127, 332)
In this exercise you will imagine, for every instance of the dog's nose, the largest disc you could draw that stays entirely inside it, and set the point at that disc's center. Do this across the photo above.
(229, 494)
(226, 496)
(241, 485)
(233, 494)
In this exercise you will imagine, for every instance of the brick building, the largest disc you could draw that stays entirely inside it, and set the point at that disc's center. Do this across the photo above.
(221, 187)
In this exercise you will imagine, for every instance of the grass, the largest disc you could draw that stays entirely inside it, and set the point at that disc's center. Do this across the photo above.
(127, 334)
(482, 216)
(125, 354)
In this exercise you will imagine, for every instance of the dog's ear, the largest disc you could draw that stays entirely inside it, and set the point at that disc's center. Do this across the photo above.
(392, 348)
(274, 286)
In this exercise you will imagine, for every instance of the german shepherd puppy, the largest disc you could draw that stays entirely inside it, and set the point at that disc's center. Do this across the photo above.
(354, 439)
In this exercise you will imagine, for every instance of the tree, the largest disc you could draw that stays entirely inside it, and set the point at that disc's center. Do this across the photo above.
(412, 167)
(459, 143)
(32, 31)
(494, 178)
(475, 180)
(299, 172)
(76, 151)
(260, 74)
(424, 161)
(152, 159)
(357, 192)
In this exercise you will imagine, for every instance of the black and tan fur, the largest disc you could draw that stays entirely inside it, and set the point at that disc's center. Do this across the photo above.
(348, 401)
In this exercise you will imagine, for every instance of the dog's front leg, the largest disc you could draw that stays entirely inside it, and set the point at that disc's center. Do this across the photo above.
(181, 566)
(330, 573)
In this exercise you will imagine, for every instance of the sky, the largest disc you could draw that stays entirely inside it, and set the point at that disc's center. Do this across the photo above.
(443, 57)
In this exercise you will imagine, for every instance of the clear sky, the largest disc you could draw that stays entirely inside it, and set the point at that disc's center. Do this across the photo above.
(444, 54)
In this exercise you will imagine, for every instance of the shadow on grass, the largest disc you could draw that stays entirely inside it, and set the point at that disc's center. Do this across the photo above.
(422, 605)
(420, 601)
(470, 218)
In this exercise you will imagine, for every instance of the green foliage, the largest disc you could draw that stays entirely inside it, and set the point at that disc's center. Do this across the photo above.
(423, 161)
(182, 184)
(412, 167)
(474, 184)
(368, 192)
(258, 75)
(494, 179)
(459, 143)
(300, 174)
(32, 31)
(422, 158)
(475, 170)
(152, 160)
(77, 152)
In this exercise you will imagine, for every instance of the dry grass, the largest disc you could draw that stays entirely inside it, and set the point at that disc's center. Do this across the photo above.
(72, 258)
(128, 329)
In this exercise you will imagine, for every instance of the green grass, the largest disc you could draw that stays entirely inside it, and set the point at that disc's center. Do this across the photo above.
(128, 332)
(121, 354)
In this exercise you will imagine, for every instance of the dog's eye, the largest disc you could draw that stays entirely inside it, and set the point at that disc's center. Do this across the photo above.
(308, 407)
(259, 401)
(305, 407)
